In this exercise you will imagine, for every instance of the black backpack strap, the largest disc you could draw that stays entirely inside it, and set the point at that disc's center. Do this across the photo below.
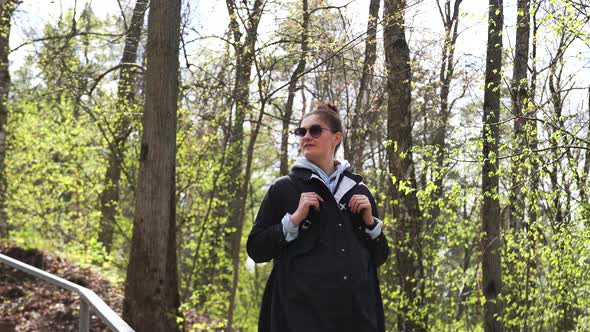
(294, 181)
(306, 223)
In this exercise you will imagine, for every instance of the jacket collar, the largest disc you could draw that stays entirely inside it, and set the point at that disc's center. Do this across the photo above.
(347, 181)
(306, 174)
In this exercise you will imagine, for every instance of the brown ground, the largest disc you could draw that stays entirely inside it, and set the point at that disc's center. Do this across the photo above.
(29, 304)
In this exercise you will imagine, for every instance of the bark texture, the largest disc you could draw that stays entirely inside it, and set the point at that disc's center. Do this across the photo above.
(450, 17)
(151, 291)
(109, 197)
(490, 211)
(406, 236)
(284, 166)
(360, 118)
(236, 189)
(520, 96)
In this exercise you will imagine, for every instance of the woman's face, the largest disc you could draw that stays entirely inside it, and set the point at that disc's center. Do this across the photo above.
(318, 148)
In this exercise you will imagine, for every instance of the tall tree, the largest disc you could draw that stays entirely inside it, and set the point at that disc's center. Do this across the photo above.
(292, 89)
(236, 186)
(533, 143)
(519, 95)
(520, 230)
(6, 10)
(490, 211)
(560, 192)
(401, 166)
(450, 17)
(358, 130)
(586, 167)
(151, 292)
(109, 197)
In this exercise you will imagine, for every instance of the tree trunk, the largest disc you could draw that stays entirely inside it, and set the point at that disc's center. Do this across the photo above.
(151, 292)
(109, 197)
(586, 167)
(519, 95)
(358, 130)
(401, 166)
(533, 143)
(6, 10)
(557, 103)
(530, 226)
(490, 211)
(567, 317)
(284, 167)
(236, 189)
(451, 23)
(519, 176)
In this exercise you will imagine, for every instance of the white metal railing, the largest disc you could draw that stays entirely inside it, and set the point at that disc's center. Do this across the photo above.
(88, 299)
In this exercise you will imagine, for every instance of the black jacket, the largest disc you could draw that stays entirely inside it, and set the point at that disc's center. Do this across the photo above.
(326, 278)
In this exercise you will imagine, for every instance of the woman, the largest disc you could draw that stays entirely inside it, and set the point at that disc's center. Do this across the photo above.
(319, 225)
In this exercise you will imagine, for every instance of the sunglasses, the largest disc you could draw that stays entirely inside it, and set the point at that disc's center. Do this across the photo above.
(315, 131)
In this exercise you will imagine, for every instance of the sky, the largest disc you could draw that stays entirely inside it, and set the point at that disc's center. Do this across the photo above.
(209, 17)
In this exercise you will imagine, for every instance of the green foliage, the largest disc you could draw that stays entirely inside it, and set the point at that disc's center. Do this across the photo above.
(57, 148)
(59, 138)
(54, 169)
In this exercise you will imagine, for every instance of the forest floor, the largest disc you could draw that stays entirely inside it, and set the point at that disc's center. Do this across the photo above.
(31, 304)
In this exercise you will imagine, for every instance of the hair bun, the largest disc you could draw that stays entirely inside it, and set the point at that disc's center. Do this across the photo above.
(328, 106)
(333, 107)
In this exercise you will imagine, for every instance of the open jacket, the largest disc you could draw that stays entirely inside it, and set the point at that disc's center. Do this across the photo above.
(326, 278)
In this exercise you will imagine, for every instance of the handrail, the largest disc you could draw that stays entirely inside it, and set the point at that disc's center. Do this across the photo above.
(88, 298)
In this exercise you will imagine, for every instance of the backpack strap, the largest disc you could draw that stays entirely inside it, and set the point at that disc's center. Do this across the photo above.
(306, 223)
(294, 181)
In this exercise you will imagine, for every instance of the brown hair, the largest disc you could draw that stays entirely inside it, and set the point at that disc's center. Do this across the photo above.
(328, 113)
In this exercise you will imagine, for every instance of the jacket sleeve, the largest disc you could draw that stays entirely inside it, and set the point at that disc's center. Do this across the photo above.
(266, 239)
(378, 247)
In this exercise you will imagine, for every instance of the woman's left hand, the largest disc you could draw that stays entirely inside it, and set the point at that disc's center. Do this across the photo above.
(361, 204)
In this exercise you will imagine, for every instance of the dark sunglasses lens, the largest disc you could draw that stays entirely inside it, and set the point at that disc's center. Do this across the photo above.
(300, 132)
(315, 131)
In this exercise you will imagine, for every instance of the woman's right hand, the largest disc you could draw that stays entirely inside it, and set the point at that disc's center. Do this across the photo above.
(306, 201)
